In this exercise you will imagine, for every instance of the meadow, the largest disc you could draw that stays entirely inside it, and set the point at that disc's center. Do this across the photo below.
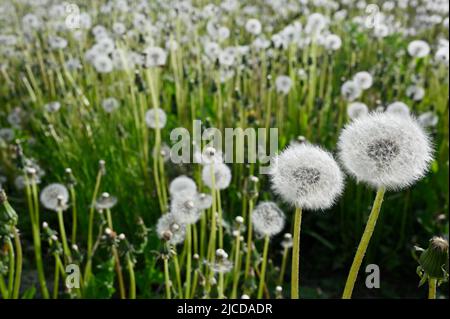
(92, 204)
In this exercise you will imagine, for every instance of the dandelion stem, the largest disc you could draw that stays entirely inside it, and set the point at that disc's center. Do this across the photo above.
(67, 254)
(178, 275)
(166, 278)
(237, 266)
(361, 251)
(12, 261)
(283, 265)
(296, 254)
(263, 267)
(432, 283)
(188, 259)
(18, 273)
(132, 292)
(74, 215)
(56, 280)
(91, 225)
(249, 239)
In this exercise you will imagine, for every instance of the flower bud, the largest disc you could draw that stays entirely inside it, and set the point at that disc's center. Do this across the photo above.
(434, 260)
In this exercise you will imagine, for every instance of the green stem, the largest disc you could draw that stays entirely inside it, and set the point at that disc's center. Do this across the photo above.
(62, 229)
(263, 267)
(361, 251)
(296, 254)
(74, 215)
(56, 280)
(249, 239)
(237, 267)
(432, 283)
(166, 278)
(132, 293)
(18, 274)
(188, 259)
(283, 265)
(12, 261)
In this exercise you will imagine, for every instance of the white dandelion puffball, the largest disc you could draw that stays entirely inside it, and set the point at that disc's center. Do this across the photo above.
(253, 26)
(416, 93)
(203, 201)
(222, 175)
(105, 201)
(363, 79)
(110, 104)
(155, 56)
(283, 84)
(102, 64)
(182, 184)
(53, 196)
(155, 118)
(357, 109)
(418, 49)
(385, 149)
(268, 219)
(52, 107)
(333, 42)
(307, 176)
(169, 229)
(399, 108)
(351, 90)
(428, 119)
(184, 208)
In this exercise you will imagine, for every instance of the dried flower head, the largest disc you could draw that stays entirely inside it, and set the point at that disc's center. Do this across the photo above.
(184, 208)
(384, 149)
(182, 184)
(307, 176)
(399, 108)
(106, 201)
(357, 109)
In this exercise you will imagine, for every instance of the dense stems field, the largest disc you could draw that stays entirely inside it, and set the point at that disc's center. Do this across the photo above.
(337, 172)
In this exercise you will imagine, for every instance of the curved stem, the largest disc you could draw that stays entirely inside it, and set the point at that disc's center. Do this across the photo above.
(132, 293)
(361, 251)
(263, 267)
(296, 254)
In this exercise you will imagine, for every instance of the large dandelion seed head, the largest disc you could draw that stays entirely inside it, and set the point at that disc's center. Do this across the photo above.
(385, 149)
(54, 196)
(307, 176)
(268, 219)
(216, 176)
(168, 228)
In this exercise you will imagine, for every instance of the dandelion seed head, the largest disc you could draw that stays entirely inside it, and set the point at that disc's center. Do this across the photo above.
(357, 109)
(155, 118)
(54, 196)
(268, 219)
(203, 201)
(283, 84)
(216, 176)
(428, 119)
(184, 209)
(415, 92)
(155, 56)
(363, 79)
(398, 108)
(351, 90)
(385, 149)
(253, 26)
(106, 201)
(110, 104)
(418, 49)
(168, 228)
(182, 184)
(307, 176)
